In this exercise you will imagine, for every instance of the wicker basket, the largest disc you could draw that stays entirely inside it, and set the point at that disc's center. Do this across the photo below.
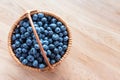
(16, 25)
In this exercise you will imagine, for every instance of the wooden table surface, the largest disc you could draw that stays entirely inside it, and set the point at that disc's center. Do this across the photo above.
(95, 27)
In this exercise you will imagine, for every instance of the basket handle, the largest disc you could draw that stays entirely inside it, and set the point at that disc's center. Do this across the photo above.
(38, 40)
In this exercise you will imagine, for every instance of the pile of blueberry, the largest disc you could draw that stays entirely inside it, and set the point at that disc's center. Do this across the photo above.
(53, 36)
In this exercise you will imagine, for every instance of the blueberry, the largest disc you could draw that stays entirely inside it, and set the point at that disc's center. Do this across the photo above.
(42, 36)
(56, 51)
(53, 20)
(34, 22)
(27, 34)
(13, 37)
(65, 43)
(29, 29)
(65, 33)
(62, 53)
(59, 24)
(48, 52)
(30, 58)
(17, 36)
(57, 30)
(36, 25)
(25, 24)
(21, 23)
(18, 50)
(30, 37)
(22, 30)
(21, 40)
(45, 47)
(17, 30)
(33, 36)
(60, 39)
(40, 15)
(45, 42)
(21, 59)
(46, 32)
(24, 45)
(50, 33)
(52, 61)
(24, 50)
(17, 43)
(52, 55)
(13, 46)
(46, 38)
(38, 30)
(35, 17)
(50, 40)
(64, 47)
(49, 29)
(40, 59)
(56, 43)
(49, 18)
(25, 61)
(51, 46)
(63, 28)
(33, 51)
(44, 19)
(36, 46)
(66, 38)
(40, 23)
(60, 44)
(45, 25)
(60, 34)
(18, 55)
(41, 66)
(42, 29)
(55, 36)
(36, 55)
(35, 63)
(58, 57)
(34, 41)
(60, 49)
(52, 25)
(22, 36)
(28, 42)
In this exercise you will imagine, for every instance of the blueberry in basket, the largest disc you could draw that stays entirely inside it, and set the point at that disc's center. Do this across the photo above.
(52, 33)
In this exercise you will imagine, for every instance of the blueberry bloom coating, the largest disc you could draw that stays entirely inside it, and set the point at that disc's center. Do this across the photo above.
(35, 63)
(30, 58)
(52, 33)
(57, 30)
(58, 57)
(36, 46)
(53, 25)
(40, 15)
(28, 42)
(41, 66)
(29, 29)
(25, 61)
(55, 36)
(17, 43)
(35, 16)
(52, 61)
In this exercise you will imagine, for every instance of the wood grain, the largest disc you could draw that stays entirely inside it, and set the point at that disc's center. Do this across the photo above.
(95, 26)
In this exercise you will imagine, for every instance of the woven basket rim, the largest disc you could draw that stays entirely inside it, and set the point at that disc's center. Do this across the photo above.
(16, 25)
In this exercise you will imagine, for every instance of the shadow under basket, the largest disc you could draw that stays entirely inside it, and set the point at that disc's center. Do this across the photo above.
(16, 24)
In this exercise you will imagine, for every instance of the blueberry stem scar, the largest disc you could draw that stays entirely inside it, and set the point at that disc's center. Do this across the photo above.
(38, 40)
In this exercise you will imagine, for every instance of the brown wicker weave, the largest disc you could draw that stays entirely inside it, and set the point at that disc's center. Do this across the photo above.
(48, 68)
